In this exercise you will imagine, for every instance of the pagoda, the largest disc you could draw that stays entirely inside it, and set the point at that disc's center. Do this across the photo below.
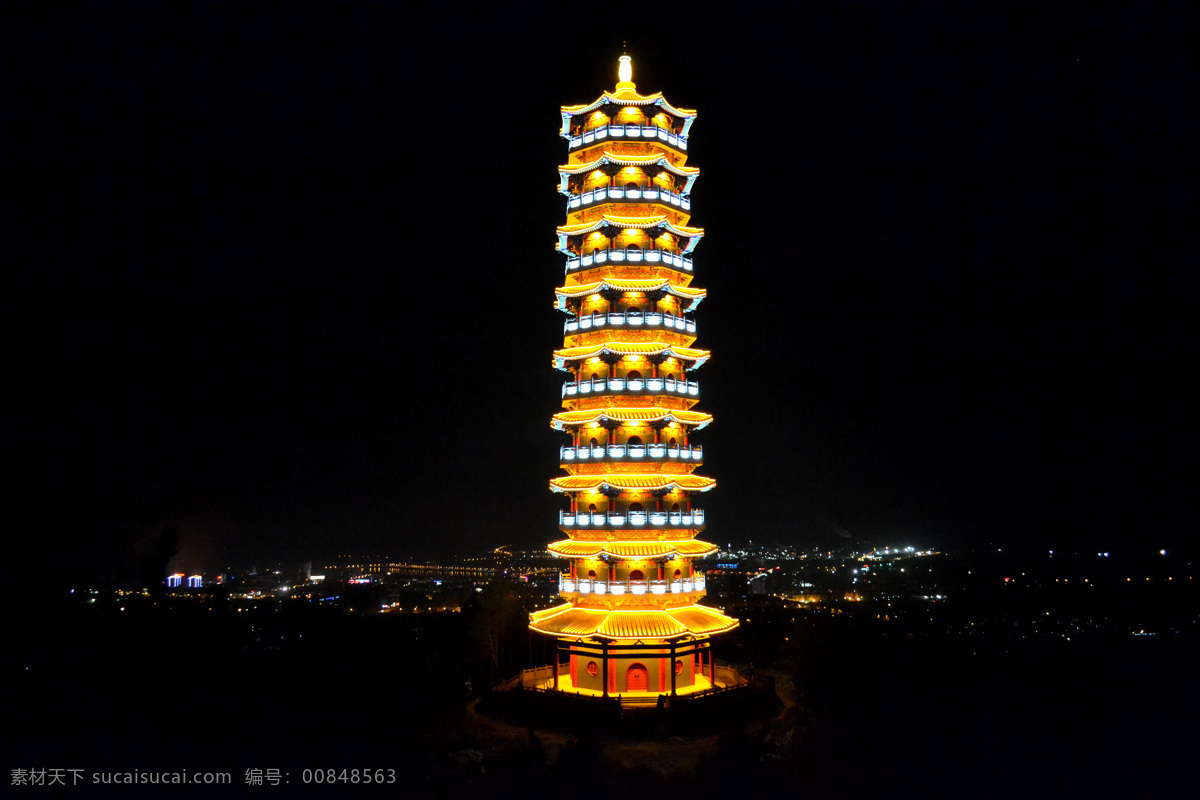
(630, 621)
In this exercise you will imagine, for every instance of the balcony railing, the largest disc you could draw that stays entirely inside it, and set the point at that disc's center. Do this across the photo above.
(612, 194)
(629, 319)
(631, 386)
(636, 452)
(631, 519)
(637, 132)
(567, 584)
(632, 255)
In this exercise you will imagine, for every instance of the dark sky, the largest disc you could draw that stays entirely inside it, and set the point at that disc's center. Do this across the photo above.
(281, 273)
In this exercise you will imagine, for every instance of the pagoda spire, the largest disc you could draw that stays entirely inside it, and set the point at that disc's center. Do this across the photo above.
(625, 75)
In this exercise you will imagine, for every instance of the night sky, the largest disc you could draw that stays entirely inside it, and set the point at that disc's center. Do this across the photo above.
(281, 274)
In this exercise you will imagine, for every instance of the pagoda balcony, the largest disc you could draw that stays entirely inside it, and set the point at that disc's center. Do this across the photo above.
(642, 133)
(629, 319)
(634, 452)
(601, 386)
(632, 519)
(629, 255)
(627, 194)
(569, 585)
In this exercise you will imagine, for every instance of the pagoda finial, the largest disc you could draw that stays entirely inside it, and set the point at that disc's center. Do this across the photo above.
(625, 74)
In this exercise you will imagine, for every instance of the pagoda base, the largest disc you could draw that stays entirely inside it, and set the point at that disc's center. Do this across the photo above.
(565, 685)
(604, 668)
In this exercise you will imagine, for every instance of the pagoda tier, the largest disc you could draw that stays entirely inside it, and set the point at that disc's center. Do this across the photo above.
(632, 185)
(630, 621)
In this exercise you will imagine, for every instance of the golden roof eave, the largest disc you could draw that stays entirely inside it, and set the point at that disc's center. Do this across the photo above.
(623, 160)
(636, 223)
(694, 620)
(636, 414)
(626, 97)
(634, 481)
(562, 294)
(690, 354)
(631, 285)
(628, 548)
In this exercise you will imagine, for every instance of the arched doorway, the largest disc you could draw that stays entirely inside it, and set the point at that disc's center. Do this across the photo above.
(637, 678)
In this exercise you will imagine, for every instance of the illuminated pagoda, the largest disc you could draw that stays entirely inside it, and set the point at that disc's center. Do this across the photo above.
(630, 622)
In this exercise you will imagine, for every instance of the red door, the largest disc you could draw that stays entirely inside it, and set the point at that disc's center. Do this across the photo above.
(636, 678)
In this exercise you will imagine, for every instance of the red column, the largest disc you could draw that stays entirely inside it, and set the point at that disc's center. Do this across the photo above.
(556, 667)
(604, 667)
(673, 678)
(712, 672)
